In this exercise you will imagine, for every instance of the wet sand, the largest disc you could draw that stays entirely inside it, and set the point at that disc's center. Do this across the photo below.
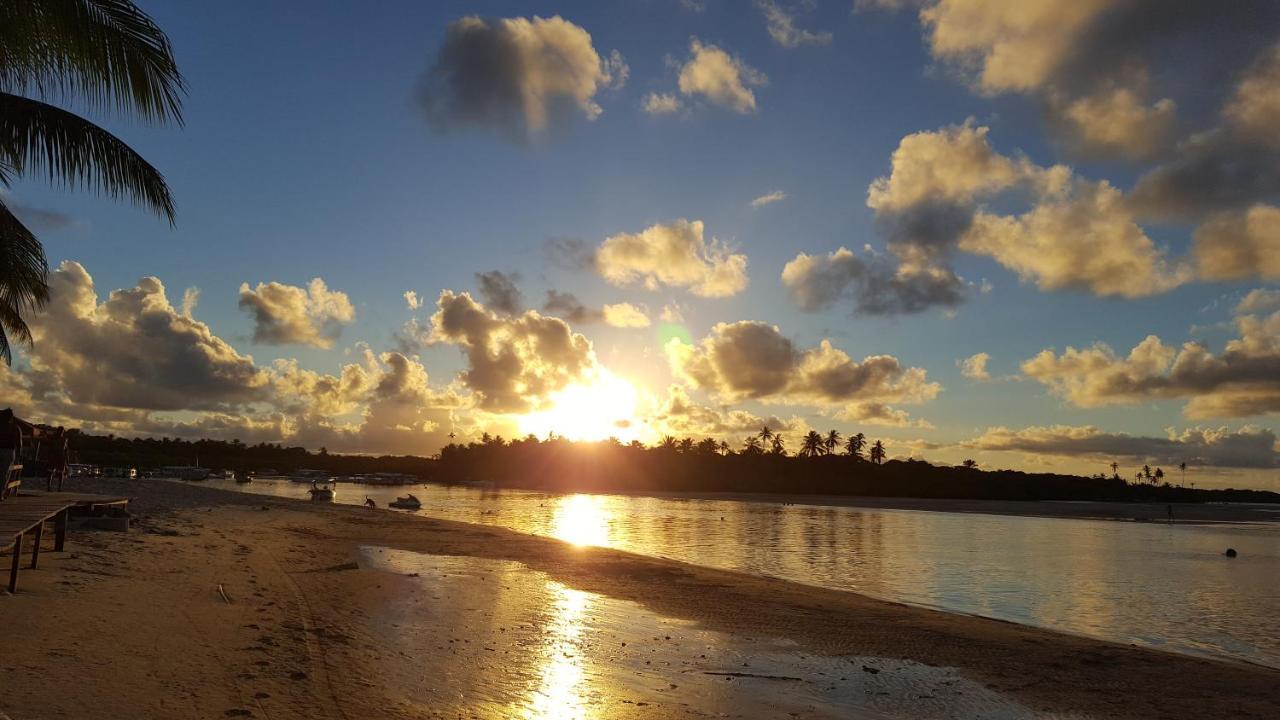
(340, 612)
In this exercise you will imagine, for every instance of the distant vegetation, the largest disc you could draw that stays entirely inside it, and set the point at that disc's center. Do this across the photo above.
(824, 464)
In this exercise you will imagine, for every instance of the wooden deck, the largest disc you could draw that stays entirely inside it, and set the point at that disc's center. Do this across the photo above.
(27, 513)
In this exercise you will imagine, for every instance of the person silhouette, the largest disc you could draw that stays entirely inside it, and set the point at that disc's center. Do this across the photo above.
(369, 503)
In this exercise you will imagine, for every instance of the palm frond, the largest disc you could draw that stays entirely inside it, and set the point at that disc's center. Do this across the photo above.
(36, 137)
(108, 54)
(23, 280)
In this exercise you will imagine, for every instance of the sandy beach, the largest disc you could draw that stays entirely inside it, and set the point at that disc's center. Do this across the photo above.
(342, 612)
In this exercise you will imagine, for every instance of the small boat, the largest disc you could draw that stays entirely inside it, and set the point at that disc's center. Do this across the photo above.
(408, 502)
(321, 493)
(243, 477)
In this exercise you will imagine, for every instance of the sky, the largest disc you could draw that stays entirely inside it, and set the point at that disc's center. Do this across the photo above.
(1041, 235)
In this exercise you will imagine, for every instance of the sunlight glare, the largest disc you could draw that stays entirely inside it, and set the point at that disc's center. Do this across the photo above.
(602, 408)
(581, 520)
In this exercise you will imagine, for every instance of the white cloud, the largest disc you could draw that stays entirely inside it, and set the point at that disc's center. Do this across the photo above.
(720, 78)
(783, 30)
(974, 367)
(1248, 447)
(660, 103)
(1259, 300)
(673, 254)
(513, 363)
(625, 315)
(285, 314)
(768, 199)
(412, 300)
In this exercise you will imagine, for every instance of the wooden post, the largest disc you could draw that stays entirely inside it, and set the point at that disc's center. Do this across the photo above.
(60, 530)
(13, 570)
(35, 547)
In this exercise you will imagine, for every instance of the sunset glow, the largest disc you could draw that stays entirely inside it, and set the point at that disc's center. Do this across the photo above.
(602, 408)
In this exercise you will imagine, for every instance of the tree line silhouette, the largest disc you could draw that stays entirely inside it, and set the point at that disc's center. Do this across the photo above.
(826, 464)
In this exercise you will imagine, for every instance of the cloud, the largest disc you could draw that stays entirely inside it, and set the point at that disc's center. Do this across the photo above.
(1080, 238)
(1243, 380)
(1099, 51)
(1240, 245)
(133, 351)
(974, 367)
(285, 314)
(412, 300)
(768, 199)
(1076, 235)
(673, 254)
(660, 103)
(566, 305)
(1254, 109)
(499, 291)
(1259, 300)
(1115, 122)
(517, 76)
(513, 363)
(720, 78)
(1248, 447)
(569, 253)
(190, 298)
(681, 416)
(781, 24)
(753, 360)
(1211, 172)
(625, 315)
(877, 286)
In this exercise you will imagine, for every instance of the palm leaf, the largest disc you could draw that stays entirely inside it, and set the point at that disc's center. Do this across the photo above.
(108, 54)
(23, 288)
(37, 137)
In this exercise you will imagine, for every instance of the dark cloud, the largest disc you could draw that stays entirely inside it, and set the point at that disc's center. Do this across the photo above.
(517, 76)
(500, 291)
(567, 305)
(1248, 447)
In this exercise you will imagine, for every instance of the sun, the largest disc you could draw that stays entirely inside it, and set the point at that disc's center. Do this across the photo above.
(601, 408)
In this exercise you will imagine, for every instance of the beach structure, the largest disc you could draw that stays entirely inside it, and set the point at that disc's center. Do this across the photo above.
(29, 446)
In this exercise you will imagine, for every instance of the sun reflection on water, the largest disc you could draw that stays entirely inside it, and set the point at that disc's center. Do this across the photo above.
(581, 520)
(562, 693)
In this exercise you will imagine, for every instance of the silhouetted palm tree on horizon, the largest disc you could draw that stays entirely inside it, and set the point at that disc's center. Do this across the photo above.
(105, 55)
(833, 441)
(813, 445)
(877, 453)
(779, 445)
(853, 446)
(970, 463)
(765, 434)
(752, 446)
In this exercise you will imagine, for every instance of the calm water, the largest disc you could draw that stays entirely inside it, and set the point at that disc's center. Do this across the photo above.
(1150, 584)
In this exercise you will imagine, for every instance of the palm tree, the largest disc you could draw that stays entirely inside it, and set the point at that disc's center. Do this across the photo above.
(708, 446)
(1115, 469)
(667, 443)
(752, 446)
(779, 445)
(724, 448)
(1183, 467)
(971, 464)
(765, 434)
(813, 445)
(1159, 476)
(1146, 472)
(877, 452)
(686, 445)
(853, 446)
(833, 441)
(105, 55)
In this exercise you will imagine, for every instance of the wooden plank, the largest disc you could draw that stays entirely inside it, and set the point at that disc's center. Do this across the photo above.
(13, 570)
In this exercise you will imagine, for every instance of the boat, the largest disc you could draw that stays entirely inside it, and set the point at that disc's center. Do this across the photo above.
(321, 493)
(185, 472)
(408, 502)
(308, 476)
(243, 477)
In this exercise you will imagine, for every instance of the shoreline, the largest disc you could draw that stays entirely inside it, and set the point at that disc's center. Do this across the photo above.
(207, 536)
(1102, 510)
